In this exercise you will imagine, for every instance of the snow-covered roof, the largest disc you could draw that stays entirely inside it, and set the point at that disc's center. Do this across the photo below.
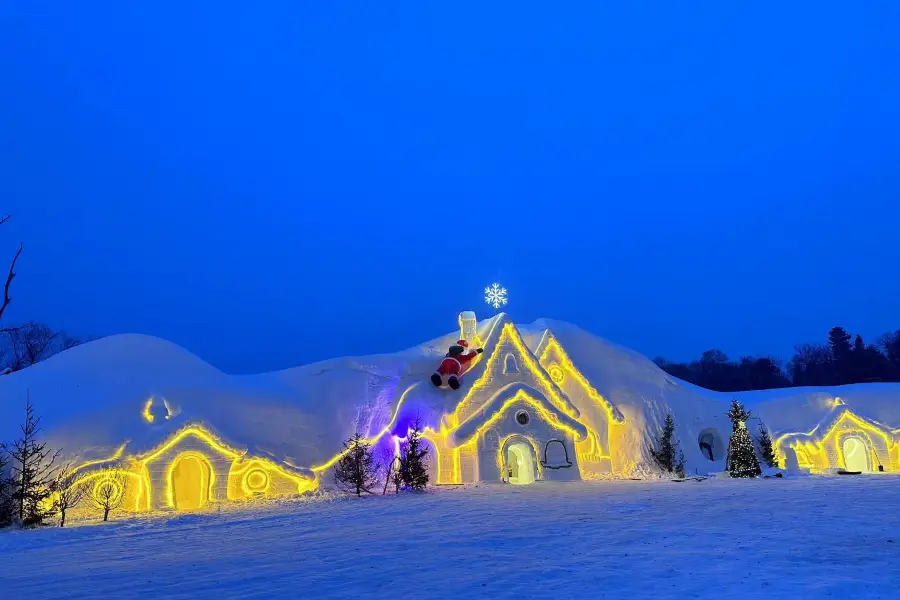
(91, 397)
(499, 403)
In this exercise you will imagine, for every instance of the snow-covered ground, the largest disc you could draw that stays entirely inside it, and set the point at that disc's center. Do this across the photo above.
(812, 537)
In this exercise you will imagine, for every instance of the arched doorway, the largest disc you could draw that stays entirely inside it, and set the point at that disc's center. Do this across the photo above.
(856, 454)
(711, 446)
(520, 462)
(189, 479)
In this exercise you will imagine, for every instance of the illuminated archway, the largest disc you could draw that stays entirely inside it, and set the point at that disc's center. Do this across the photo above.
(190, 481)
(519, 461)
(856, 454)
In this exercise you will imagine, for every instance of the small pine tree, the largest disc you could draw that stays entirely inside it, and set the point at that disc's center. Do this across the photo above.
(31, 472)
(356, 470)
(6, 503)
(413, 468)
(766, 449)
(742, 460)
(665, 452)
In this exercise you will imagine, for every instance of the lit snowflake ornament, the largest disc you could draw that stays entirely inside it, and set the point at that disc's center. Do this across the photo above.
(495, 295)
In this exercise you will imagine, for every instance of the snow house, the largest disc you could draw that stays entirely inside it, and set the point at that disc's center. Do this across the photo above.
(163, 430)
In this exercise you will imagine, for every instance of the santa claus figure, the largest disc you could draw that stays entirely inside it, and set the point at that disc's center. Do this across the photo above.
(454, 365)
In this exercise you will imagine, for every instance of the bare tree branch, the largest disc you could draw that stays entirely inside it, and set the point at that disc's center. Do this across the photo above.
(109, 493)
(68, 492)
(10, 277)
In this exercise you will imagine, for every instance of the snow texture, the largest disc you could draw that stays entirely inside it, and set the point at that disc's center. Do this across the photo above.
(91, 398)
(814, 537)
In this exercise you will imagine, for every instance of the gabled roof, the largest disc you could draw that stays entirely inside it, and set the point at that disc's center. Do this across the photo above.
(476, 378)
(549, 344)
(203, 433)
(833, 419)
(492, 410)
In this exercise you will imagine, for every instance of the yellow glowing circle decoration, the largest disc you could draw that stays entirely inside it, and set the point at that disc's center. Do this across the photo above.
(556, 373)
(108, 490)
(257, 480)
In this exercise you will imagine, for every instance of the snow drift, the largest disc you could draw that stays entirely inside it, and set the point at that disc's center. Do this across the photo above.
(95, 397)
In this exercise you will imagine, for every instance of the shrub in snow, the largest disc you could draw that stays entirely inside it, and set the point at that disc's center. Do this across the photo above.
(413, 468)
(742, 460)
(665, 451)
(766, 450)
(31, 473)
(356, 470)
(66, 494)
(391, 470)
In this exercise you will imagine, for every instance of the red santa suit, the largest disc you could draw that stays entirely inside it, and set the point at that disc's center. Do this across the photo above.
(453, 366)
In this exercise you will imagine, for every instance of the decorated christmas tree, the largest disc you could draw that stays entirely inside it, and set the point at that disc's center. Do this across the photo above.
(742, 460)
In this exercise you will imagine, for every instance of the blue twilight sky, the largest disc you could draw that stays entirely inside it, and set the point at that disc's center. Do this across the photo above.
(273, 183)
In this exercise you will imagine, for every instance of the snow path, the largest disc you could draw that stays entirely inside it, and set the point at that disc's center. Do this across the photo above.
(810, 538)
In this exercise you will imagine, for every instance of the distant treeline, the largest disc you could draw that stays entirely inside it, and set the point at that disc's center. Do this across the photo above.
(836, 362)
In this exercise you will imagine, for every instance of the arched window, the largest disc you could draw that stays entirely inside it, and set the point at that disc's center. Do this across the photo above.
(491, 439)
(509, 365)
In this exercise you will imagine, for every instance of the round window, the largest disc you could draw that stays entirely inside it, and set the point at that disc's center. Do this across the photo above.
(256, 481)
(556, 373)
(522, 417)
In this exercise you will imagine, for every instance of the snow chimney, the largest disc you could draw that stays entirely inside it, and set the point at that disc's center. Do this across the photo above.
(468, 326)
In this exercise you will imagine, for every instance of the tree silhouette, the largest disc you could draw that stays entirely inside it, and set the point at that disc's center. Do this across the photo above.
(836, 362)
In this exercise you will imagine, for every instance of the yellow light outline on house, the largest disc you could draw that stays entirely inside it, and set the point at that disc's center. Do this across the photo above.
(569, 367)
(817, 441)
(502, 458)
(452, 421)
(102, 475)
(116, 456)
(259, 485)
(148, 416)
(370, 440)
(138, 467)
(520, 396)
(198, 431)
(210, 473)
(510, 331)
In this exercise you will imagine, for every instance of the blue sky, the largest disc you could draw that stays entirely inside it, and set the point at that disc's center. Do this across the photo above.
(269, 184)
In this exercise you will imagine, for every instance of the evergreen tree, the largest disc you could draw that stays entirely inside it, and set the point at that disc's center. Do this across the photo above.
(766, 449)
(6, 503)
(31, 472)
(841, 353)
(860, 361)
(665, 452)
(356, 470)
(741, 460)
(413, 468)
(890, 343)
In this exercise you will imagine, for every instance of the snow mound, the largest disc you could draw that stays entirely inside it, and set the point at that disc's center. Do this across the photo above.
(95, 397)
